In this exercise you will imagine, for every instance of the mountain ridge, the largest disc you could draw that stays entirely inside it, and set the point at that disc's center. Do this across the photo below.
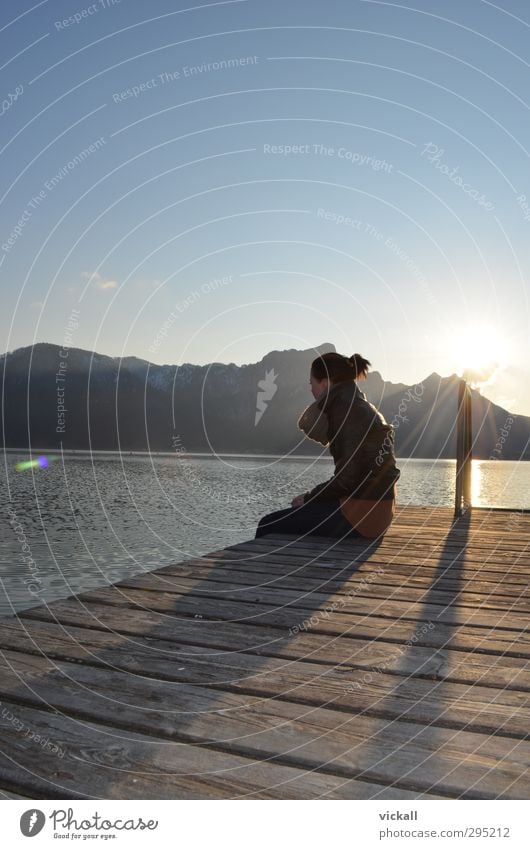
(127, 403)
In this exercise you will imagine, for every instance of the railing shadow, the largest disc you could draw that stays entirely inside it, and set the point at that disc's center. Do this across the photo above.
(447, 577)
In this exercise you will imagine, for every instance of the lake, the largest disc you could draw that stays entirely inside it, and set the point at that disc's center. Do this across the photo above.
(88, 520)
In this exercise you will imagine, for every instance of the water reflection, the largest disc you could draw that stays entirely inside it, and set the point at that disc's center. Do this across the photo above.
(476, 483)
(500, 484)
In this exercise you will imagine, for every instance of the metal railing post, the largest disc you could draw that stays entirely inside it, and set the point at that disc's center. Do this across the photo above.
(464, 441)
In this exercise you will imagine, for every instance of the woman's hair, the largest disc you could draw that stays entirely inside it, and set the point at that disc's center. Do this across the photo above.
(336, 367)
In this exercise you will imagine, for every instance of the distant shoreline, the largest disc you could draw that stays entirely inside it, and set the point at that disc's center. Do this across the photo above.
(106, 452)
(208, 454)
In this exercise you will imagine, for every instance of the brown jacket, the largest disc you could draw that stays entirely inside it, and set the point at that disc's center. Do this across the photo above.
(362, 445)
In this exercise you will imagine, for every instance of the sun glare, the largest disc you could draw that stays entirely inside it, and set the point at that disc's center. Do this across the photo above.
(480, 351)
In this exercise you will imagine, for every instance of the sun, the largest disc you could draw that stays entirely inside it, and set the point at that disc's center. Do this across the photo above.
(479, 351)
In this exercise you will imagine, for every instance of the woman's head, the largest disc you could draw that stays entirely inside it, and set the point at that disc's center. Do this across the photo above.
(333, 368)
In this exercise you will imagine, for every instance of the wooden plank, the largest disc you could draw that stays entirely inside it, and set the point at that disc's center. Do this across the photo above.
(430, 531)
(473, 515)
(449, 705)
(389, 574)
(374, 582)
(469, 764)
(421, 574)
(99, 763)
(409, 552)
(5, 795)
(425, 544)
(86, 644)
(460, 562)
(464, 559)
(241, 588)
(200, 614)
(455, 615)
(430, 549)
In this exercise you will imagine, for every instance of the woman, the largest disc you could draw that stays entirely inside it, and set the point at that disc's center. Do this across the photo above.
(359, 499)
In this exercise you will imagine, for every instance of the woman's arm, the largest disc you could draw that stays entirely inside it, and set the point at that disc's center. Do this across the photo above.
(349, 474)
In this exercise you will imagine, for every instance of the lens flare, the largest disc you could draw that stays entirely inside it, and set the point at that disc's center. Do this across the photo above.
(41, 462)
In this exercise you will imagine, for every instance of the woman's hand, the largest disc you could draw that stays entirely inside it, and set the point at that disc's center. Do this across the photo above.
(297, 501)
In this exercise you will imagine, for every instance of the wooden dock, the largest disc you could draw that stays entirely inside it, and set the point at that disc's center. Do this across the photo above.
(285, 669)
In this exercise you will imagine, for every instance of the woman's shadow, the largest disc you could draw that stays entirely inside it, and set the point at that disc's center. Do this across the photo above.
(171, 654)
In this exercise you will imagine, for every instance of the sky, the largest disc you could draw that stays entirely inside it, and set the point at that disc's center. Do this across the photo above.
(206, 182)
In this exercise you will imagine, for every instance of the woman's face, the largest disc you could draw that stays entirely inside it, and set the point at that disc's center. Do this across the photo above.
(318, 386)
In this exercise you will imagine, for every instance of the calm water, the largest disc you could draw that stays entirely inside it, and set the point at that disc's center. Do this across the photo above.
(86, 521)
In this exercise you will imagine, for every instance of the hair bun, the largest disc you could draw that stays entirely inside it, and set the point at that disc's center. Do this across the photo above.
(336, 367)
(360, 364)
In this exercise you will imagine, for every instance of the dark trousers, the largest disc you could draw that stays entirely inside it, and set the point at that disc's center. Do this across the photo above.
(323, 518)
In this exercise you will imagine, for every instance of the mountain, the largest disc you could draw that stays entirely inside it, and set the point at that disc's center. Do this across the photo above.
(430, 413)
(131, 404)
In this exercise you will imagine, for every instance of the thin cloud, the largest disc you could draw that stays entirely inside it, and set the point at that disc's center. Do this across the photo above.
(98, 281)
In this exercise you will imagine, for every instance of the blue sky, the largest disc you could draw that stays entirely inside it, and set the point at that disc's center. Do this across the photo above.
(207, 182)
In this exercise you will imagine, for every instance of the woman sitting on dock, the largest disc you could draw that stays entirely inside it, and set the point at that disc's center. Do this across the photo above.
(359, 499)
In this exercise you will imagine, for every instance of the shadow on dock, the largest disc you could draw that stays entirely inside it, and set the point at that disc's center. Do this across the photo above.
(283, 668)
(448, 578)
(173, 658)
